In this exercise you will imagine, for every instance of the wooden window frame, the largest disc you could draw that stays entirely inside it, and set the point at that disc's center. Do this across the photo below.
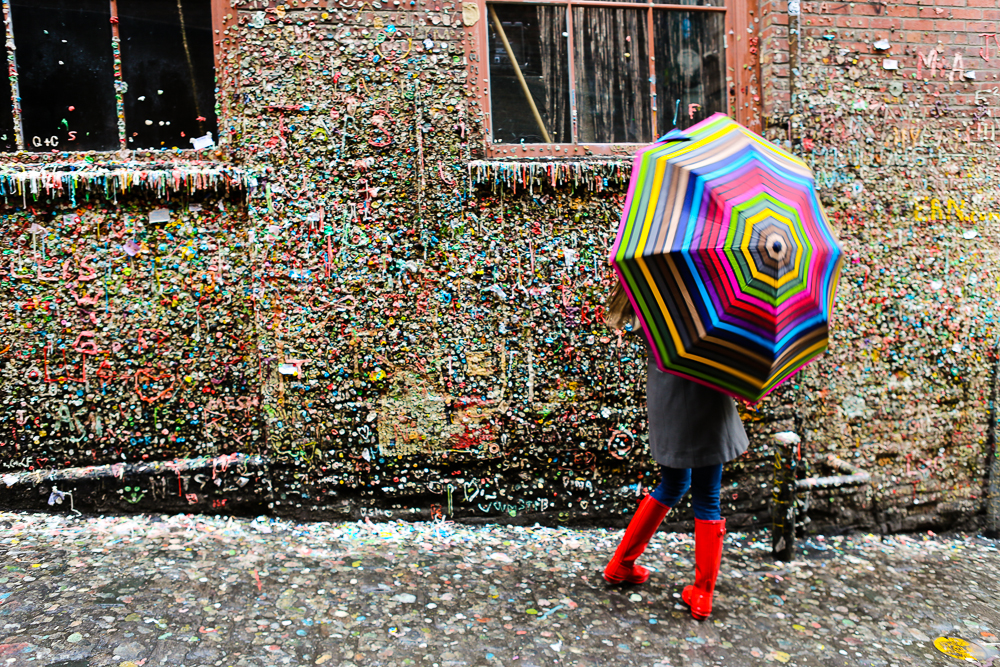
(741, 102)
(223, 17)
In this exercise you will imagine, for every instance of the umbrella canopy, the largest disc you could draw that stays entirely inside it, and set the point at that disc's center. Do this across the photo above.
(727, 256)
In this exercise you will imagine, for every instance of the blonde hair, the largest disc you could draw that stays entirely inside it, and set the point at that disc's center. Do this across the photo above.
(618, 311)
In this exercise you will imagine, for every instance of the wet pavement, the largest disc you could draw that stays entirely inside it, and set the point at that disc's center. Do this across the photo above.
(207, 591)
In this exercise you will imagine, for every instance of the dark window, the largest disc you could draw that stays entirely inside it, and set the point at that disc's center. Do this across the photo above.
(73, 98)
(535, 36)
(606, 68)
(66, 74)
(8, 135)
(612, 74)
(167, 68)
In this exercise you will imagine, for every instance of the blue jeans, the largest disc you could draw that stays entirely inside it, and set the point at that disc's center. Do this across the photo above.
(705, 484)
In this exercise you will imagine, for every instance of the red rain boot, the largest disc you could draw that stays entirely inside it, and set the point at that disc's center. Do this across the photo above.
(707, 557)
(622, 568)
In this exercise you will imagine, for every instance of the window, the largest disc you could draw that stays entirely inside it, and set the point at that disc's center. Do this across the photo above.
(109, 74)
(593, 73)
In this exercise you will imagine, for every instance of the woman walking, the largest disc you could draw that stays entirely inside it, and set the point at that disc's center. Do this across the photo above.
(693, 430)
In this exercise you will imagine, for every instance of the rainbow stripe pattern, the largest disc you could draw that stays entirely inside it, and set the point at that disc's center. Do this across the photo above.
(728, 258)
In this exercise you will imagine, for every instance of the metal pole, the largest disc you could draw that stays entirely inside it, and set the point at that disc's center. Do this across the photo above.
(520, 77)
(794, 14)
(571, 65)
(651, 55)
(785, 461)
(993, 489)
(783, 495)
(993, 497)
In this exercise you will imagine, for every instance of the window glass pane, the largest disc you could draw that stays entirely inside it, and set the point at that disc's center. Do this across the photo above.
(612, 75)
(536, 37)
(65, 74)
(8, 138)
(167, 64)
(690, 67)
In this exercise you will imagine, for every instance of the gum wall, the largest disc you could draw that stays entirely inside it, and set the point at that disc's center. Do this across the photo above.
(345, 310)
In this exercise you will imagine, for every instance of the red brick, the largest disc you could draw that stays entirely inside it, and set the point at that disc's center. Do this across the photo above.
(979, 27)
(779, 31)
(918, 24)
(991, 14)
(949, 26)
(884, 23)
(920, 37)
(905, 12)
(852, 22)
(981, 3)
(923, 38)
(965, 13)
(865, 9)
(780, 19)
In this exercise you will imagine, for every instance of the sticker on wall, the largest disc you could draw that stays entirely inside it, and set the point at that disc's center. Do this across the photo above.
(470, 13)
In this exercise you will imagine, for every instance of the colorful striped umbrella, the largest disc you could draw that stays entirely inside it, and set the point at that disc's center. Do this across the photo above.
(727, 256)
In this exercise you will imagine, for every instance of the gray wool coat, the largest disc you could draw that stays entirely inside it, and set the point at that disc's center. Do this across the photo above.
(690, 425)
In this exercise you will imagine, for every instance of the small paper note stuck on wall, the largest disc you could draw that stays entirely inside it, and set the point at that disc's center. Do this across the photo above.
(202, 142)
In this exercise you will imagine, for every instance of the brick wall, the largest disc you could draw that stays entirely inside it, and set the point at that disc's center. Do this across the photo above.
(896, 107)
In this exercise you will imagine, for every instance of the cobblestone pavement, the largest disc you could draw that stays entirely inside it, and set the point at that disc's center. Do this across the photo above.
(198, 591)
